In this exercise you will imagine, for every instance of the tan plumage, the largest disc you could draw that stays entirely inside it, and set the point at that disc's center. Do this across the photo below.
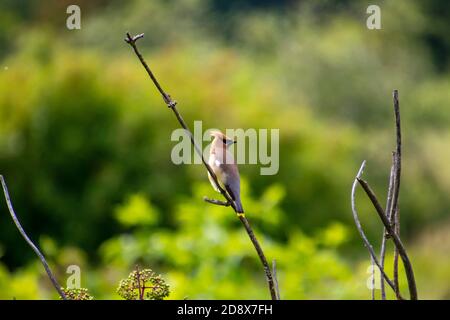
(225, 168)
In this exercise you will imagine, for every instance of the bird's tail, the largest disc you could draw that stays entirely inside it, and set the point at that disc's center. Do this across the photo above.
(238, 204)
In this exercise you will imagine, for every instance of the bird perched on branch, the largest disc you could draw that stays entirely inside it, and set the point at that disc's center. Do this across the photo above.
(225, 168)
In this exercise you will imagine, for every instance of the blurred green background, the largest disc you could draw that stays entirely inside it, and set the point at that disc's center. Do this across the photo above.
(85, 142)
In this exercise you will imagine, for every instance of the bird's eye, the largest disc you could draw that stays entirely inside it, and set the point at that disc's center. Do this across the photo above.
(224, 141)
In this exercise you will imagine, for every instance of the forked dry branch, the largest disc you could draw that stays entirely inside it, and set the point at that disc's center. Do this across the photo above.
(389, 217)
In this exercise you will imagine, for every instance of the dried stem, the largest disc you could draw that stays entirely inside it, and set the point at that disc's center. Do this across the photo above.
(361, 231)
(385, 234)
(391, 216)
(397, 242)
(30, 243)
(217, 202)
(394, 219)
(172, 105)
(275, 278)
(397, 157)
(396, 229)
(140, 289)
(373, 277)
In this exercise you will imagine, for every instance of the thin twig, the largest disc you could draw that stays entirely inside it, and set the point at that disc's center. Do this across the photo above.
(390, 193)
(172, 105)
(382, 258)
(373, 277)
(261, 256)
(138, 279)
(398, 169)
(397, 156)
(397, 242)
(275, 278)
(396, 229)
(30, 243)
(361, 231)
(385, 234)
(217, 202)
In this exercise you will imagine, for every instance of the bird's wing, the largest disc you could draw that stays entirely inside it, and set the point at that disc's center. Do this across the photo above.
(232, 181)
(233, 186)
(213, 183)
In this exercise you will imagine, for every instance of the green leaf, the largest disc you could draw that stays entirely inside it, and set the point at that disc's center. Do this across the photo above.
(137, 210)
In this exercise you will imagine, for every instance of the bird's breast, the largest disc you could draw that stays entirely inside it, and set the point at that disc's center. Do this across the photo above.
(216, 165)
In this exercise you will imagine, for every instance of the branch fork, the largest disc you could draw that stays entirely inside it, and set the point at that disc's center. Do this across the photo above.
(389, 218)
(131, 40)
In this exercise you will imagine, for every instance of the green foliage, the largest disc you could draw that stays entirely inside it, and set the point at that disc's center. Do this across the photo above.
(136, 211)
(22, 284)
(208, 255)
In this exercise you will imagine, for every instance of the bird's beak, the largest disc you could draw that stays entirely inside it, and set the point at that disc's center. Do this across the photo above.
(230, 142)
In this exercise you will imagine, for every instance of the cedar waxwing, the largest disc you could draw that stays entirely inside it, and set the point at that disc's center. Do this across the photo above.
(223, 165)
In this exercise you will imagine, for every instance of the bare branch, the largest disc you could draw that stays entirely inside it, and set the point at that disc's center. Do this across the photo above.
(130, 39)
(385, 234)
(398, 243)
(394, 220)
(172, 105)
(275, 279)
(217, 202)
(261, 256)
(361, 231)
(373, 277)
(29, 242)
(397, 157)
(396, 229)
